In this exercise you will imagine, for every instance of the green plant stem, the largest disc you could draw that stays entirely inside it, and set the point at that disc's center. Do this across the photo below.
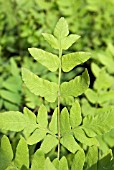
(59, 100)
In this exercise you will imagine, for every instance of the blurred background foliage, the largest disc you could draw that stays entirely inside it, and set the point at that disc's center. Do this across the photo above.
(22, 23)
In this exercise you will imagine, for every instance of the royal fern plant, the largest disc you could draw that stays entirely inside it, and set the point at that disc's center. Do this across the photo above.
(67, 131)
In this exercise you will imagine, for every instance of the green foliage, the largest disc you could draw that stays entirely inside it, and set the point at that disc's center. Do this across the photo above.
(21, 160)
(22, 154)
(99, 124)
(71, 60)
(6, 153)
(78, 161)
(71, 134)
(47, 59)
(75, 87)
(92, 157)
(10, 88)
(38, 161)
(39, 86)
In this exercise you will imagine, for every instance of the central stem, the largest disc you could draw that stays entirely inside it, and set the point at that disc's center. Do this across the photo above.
(59, 96)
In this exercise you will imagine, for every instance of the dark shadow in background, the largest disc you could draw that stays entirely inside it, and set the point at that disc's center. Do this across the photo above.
(104, 164)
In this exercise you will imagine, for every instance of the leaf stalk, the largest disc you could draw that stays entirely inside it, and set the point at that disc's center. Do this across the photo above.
(59, 101)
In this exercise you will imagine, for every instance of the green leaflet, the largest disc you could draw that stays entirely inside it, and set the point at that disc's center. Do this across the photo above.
(16, 121)
(102, 98)
(56, 163)
(12, 120)
(92, 96)
(68, 41)
(6, 147)
(42, 117)
(105, 78)
(40, 132)
(83, 138)
(14, 68)
(40, 129)
(75, 87)
(47, 59)
(36, 136)
(61, 164)
(38, 160)
(49, 143)
(95, 69)
(104, 140)
(67, 100)
(10, 106)
(6, 153)
(61, 29)
(51, 40)
(99, 123)
(92, 158)
(39, 86)
(61, 32)
(31, 122)
(78, 161)
(22, 154)
(11, 96)
(75, 115)
(53, 123)
(67, 139)
(29, 115)
(13, 84)
(107, 61)
(65, 123)
(69, 61)
(49, 165)
(32, 100)
(69, 143)
(75, 121)
(106, 96)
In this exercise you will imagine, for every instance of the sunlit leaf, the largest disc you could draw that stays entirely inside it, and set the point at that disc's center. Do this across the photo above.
(68, 41)
(75, 114)
(39, 86)
(12, 120)
(42, 117)
(53, 123)
(38, 160)
(92, 96)
(22, 154)
(6, 153)
(47, 59)
(92, 158)
(69, 143)
(65, 124)
(69, 61)
(61, 164)
(51, 40)
(49, 143)
(78, 161)
(61, 29)
(49, 165)
(75, 87)
(105, 78)
(83, 138)
(99, 123)
(36, 136)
